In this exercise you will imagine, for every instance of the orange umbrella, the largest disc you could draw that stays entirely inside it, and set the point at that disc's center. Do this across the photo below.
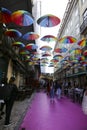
(82, 42)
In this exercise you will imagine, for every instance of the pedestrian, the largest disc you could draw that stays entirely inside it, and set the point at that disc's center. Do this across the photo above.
(84, 100)
(3, 95)
(52, 93)
(11, 100)
(59, 90)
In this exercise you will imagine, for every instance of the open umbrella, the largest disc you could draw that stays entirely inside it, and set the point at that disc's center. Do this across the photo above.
(5, 15)
(48, 20)
(22, 18)
(76, 50)
(45, 48)
(46, 54)
(23, 52)
(85, 53)
(82, 42)
(13, 33)
(30, 36)
(67, 39)
(31, 46)
(18, 44)
(60, 50)
(49, 38)
(57, 56)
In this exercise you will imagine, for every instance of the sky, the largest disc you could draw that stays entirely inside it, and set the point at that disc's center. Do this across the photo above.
(57, 8)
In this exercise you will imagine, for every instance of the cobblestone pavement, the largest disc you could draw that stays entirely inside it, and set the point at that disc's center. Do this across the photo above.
(18, 112)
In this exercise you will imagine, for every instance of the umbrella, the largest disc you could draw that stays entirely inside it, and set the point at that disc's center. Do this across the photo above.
(46, 54)
(31, 46)
(60, 50)
(82, 42)
(48, 20)
(85, 53)
(49, 38)
(5, 15)
(13, 33)
(58, 56)
(45, 48)
(30, 36)
(76, 50)
(23, 52)
(67, 39)
(18, 44)
(57, 50)
(22, 18)
(80, 58)
(54, 60)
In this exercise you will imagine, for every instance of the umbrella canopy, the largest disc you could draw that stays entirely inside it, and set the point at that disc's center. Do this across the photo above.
(31, 46)
(82, 42)
(22, 18)
(80, 58)
(45, 48)
(18, 44)
(57, 56)
(23, 52)
(85, 53)
(60, 50)
(13, 33)
(48, 20)
(76, 50)
(5, 15)
(49, 38)
(67, 39)
(46, 54)
(30, 36)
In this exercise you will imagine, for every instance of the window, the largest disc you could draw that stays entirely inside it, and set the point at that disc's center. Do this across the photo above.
(83, 1)
(85, 14)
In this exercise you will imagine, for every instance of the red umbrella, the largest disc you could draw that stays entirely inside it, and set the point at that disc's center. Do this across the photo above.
(48, 20)
(31, 46)
(85, 53)
(30, 36)
(13, 33)
(22, 18)
(5, 15)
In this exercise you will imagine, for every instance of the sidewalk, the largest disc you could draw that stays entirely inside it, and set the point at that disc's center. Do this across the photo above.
(18, 112)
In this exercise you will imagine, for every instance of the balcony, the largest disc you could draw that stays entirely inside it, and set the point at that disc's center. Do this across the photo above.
(83, 27)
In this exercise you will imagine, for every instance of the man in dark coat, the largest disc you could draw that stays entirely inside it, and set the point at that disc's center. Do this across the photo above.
(11, 100)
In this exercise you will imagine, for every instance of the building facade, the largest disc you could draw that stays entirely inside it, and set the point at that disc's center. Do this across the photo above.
(73, 24)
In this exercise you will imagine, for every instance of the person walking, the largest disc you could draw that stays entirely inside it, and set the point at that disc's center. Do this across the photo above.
(9, 103)
(84, 100)
(52, 93)
(59, 90)
(3, 95)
